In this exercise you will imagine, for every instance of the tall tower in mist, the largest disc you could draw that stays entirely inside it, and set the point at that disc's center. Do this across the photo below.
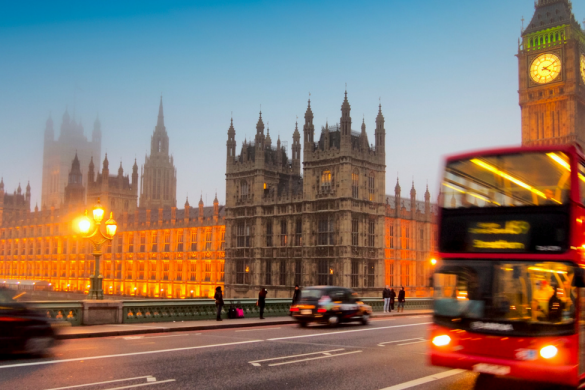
(58, 154)
(159, 176)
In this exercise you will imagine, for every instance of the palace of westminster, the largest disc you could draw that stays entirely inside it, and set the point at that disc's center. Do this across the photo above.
(324, 219)
(330, 223)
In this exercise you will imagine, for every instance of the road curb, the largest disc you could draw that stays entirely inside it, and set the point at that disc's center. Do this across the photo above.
(186, 328)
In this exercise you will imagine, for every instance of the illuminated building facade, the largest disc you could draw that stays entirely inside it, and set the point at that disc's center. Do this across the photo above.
(551, 63)
(332, 225)
(58, 154)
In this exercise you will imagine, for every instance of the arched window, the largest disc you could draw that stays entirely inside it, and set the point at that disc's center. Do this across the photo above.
(326, 181)
(355, 182)
(371, 186)
(244, 189)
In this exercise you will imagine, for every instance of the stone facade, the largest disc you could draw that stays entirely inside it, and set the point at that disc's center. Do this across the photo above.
(58, 154)
(332, 225)
(553, 112)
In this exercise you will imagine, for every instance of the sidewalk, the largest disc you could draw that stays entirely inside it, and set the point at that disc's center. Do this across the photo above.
(79, 332)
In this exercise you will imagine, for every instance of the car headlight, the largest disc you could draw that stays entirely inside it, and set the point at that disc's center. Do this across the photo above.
(549, 352)
(441, 341)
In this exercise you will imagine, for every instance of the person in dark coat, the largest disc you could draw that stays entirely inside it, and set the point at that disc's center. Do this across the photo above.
(262, 301)
(296, 294)
(218, 302)
(392, 298)
(401, 299)
(386, 296)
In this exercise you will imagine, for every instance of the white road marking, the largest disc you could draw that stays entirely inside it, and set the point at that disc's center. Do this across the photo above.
(413, 342)
(141, 385)
(315, 358)
(293, 356)
(255, 329)
(127, 354)
(423, 380)
(347, 331)
(133, 337)
(139, 326)
(171, 335)
(416, 340)
(147, 377)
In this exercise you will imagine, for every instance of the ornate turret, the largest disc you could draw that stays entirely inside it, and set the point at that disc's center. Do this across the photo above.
(427, 201)
(397, 197)
(231, 143)
(345, 120)
(215, 207)
(364, 136)
(412, 200)
(380, 135)
(201, 207)
(120, 170)
(308, 131)
(296, 151)
(75, 191)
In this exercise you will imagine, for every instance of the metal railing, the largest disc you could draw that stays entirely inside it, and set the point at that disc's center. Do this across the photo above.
(151, 310)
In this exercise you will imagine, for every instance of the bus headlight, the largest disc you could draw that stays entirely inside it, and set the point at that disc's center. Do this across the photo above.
(441, 341)
(549, 352)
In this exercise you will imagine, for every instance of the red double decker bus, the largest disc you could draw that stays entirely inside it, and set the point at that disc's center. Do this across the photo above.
(509, 287)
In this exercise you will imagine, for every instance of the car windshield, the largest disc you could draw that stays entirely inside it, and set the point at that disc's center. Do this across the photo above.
(529, 292)
(527, 179)
(311, 294)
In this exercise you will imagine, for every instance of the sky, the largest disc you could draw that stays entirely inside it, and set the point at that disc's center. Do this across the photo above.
(445, 73)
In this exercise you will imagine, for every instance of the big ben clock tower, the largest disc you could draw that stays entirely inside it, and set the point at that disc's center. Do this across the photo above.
(551, 64)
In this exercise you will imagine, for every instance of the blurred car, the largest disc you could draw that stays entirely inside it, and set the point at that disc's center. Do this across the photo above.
(330, 305)
(23, 330)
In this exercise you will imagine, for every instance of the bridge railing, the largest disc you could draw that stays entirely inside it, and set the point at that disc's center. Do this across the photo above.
(151, 310)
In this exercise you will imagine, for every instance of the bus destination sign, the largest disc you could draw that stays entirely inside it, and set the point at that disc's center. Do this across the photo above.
(508, 236)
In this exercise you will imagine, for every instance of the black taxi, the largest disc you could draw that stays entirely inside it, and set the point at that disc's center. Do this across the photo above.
(330, 305)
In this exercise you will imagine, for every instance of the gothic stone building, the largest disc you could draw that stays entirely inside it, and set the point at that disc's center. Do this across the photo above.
(159, 251)
(551, 67)
(332, 225)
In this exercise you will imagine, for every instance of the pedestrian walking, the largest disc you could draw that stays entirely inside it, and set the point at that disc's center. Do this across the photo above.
(386, 296)
(401, 299)
(296, 294)
(392, 298)
(295, 298)
(218, 302)
(261, 303)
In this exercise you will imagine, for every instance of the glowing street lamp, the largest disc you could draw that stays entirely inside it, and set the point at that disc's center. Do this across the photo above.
(97, 238)
(434, 261)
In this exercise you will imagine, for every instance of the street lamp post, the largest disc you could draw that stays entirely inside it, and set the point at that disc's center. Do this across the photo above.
(92, 231)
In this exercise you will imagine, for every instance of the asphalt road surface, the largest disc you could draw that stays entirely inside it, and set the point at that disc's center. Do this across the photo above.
(387, 354)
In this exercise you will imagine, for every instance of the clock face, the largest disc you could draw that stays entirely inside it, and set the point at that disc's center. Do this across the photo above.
(583, 67)
(545, 68)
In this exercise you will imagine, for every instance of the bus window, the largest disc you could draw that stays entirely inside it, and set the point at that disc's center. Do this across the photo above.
(527, 292)
(529, 179)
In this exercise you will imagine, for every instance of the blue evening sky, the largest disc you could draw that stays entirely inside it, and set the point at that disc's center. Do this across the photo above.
(445, 71)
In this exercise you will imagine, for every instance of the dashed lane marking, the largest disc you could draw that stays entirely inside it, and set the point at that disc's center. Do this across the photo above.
(404, 342)
(150, 380)
(347, 331)
(324, 355)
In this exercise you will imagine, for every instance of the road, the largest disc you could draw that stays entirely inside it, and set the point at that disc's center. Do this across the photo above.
(387, 354)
